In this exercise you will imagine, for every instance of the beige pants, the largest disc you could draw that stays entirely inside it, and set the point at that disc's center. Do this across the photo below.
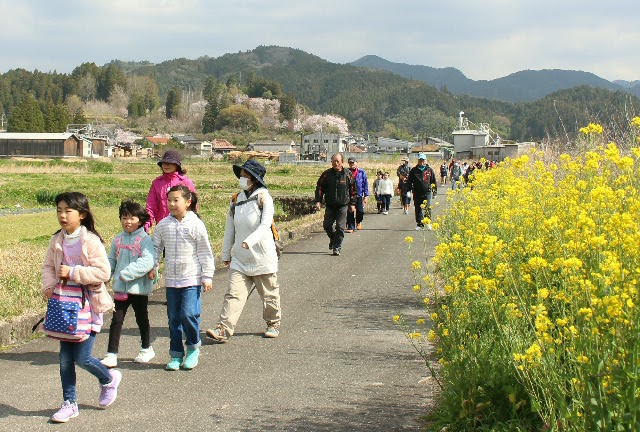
(235, 298)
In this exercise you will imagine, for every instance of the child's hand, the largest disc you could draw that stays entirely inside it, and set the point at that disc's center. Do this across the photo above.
(48, 293)
(152, 274)
(245, 245)
(64, 271)
(207, 285)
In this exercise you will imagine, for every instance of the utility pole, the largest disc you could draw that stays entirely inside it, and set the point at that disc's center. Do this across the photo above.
(2, 120)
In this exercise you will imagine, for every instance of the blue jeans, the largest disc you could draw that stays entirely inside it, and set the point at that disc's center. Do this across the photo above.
(72, 353)
(183, 311)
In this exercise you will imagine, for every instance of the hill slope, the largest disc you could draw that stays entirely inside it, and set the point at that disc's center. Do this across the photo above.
(522, 86)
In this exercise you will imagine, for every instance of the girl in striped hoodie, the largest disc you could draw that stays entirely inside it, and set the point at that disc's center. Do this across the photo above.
(188, 269)
(73, 276)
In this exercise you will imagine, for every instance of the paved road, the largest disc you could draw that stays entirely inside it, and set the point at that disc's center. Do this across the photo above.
(340, 364)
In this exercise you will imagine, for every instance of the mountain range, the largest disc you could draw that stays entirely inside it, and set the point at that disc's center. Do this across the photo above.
(372, 99)
(522, 86)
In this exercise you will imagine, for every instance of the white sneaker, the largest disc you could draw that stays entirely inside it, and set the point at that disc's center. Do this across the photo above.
(385, 212)
(429, 227)
(419, 228)
(145, 355)
(110, 360)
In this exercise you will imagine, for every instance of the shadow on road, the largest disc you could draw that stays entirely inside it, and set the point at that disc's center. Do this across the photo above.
(375, 312)
(375, 414)
(8, 411)
(37, 358)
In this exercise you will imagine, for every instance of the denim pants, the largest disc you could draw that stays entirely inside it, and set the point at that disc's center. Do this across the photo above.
(183, 311)
(354, 218)
(72, 353)
(419, 211)
(337, 216)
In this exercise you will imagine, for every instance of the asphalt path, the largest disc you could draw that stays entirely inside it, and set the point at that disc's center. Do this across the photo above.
(340, 363)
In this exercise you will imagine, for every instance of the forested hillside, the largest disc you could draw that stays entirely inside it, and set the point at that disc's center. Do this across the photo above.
(373, 101)
(522, 86)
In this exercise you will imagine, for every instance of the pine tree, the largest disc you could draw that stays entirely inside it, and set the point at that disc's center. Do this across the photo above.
(26, 117)
(218, 99)
(288, 107)
(172, 102)
(78, 117)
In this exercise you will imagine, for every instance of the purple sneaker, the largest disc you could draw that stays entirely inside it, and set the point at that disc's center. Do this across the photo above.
(109, 392)
(67, 411)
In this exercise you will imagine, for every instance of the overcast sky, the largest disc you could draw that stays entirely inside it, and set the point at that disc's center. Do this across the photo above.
(485, 39)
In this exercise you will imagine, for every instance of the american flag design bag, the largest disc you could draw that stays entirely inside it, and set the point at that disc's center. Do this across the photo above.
(66, 310)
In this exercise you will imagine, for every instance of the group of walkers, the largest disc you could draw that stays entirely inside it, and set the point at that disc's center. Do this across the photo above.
(461, 174)
(344, 192)
(77, 267)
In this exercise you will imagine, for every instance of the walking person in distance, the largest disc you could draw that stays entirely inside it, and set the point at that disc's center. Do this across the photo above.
(337, 188)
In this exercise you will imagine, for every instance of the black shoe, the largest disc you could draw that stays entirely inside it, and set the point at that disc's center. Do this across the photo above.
(331, 245)
(336, 251)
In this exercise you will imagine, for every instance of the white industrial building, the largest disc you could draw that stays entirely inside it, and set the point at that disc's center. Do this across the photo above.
(319, 145)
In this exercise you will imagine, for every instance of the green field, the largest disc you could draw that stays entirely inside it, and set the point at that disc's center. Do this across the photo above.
(30, 184)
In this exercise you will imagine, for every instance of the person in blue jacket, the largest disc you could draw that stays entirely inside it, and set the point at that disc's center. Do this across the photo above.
(131, 258)
(355, 218)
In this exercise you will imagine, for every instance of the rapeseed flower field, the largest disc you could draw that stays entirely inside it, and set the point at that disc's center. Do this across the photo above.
(533, 296)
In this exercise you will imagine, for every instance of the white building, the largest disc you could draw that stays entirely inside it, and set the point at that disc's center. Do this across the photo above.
(325, 144)
(390, 145)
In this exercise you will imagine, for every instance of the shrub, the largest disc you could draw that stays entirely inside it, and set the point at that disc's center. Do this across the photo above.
(46, 197)
(100, 167)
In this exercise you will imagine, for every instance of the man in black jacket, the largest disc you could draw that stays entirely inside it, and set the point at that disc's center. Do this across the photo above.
(422, 181)
(337, 188)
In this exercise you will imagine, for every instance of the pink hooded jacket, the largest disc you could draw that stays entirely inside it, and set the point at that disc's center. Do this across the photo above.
(157, 206)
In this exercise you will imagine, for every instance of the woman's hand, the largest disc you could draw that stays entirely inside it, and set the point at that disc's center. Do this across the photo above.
(245, 245)
(48, 293)
(63, 272)
(152, 274)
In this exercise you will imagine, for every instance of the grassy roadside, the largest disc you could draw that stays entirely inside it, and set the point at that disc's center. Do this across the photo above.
(34, 184)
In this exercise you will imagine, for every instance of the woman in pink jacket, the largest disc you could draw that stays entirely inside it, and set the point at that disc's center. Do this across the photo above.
(172, 175)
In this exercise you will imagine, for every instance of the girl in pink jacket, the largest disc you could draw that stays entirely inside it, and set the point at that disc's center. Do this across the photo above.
(73, 276)
(172, 175)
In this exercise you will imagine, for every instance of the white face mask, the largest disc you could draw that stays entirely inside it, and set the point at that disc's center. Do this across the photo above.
(244, 183)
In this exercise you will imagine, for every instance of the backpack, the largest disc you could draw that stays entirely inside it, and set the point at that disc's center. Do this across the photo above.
(274, 230)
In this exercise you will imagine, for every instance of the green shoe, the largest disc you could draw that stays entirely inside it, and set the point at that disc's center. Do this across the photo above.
(191, 360)
(174, 364)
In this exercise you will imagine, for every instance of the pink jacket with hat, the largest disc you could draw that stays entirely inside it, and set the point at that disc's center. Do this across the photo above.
(157, 205)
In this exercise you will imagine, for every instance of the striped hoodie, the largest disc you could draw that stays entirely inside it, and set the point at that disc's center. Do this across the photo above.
(188, 256)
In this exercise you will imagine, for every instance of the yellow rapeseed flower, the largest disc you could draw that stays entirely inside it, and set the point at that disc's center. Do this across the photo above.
(582, 359)
(408, 239)
(396, 318)
(417, 265)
